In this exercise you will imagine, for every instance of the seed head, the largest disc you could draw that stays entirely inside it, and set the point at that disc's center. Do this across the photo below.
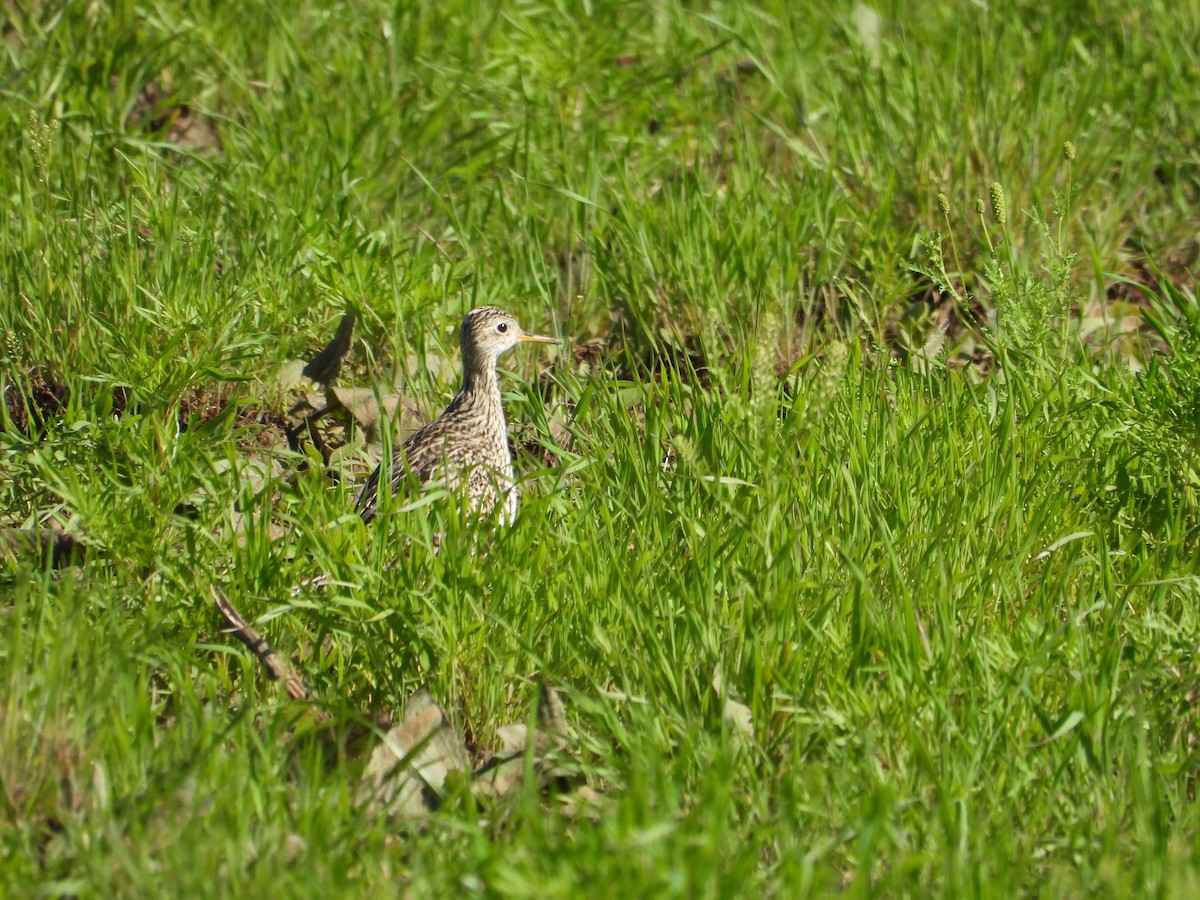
(1069, 151)
(943, 204)
(979, 206)
(998, 210)
(41, 135)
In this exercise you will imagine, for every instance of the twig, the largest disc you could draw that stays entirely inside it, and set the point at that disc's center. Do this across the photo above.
(277, 668)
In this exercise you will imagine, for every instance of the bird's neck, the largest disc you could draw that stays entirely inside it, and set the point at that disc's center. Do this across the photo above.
(480, 400)
(480, 396)
(481, 383)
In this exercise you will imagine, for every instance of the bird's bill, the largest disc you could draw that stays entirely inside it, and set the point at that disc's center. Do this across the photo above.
(539, 339)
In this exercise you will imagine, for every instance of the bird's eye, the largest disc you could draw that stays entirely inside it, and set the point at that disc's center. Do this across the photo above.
(502, 327)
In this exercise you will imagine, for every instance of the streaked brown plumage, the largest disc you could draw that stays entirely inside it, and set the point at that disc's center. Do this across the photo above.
(466, 447)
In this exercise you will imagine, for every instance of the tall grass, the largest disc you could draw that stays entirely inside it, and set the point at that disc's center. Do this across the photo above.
(918, 482)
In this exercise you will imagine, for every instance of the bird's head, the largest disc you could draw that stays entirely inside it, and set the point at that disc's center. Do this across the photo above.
(488, 331)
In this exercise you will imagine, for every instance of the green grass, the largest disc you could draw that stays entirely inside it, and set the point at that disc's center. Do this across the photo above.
(955, 583)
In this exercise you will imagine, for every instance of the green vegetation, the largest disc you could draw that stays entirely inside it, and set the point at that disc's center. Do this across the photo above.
(920, 481)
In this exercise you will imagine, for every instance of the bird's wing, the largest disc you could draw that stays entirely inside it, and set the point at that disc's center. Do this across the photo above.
(421, 455)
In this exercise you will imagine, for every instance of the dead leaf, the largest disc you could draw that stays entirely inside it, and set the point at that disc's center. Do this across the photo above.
(582, 802)
(736, 715)
(196, 132)
(505, 771)
(406, 775)
(154, 113)
(365, 405)
(302, 400)
(869, 26)
(290, 374)
(432, 364)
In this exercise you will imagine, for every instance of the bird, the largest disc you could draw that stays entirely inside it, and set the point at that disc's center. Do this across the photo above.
(466, 447)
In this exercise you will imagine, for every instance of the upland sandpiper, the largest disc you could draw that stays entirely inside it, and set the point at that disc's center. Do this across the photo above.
(466, 447)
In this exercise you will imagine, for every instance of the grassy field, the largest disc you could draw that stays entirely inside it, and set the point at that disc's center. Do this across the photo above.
(879, 398)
